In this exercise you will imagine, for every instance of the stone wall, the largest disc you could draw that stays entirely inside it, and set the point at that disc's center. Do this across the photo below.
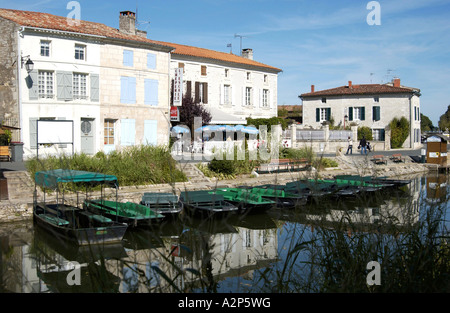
(8, 71)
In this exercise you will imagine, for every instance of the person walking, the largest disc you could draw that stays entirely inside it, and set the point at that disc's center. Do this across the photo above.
(363, 145)
(350, 145)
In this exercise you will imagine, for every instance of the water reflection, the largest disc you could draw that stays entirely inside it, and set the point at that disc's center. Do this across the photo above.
(195, 255)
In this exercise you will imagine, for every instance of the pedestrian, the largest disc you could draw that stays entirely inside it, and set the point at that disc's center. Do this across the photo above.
(350, 145)
(369, 147)
(363, 145)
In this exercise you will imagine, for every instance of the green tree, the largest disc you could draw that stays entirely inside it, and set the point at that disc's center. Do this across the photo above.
(399, 131)
(366, 132)
(425, 123)
(444, 120)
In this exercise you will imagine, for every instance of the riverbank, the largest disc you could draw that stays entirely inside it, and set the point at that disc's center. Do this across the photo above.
(20, 210)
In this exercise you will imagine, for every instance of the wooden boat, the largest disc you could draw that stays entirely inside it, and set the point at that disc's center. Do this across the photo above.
(206, 204)
(70, 222)
(166, 204)
(283, 199)
(133, 214)
(245, 200)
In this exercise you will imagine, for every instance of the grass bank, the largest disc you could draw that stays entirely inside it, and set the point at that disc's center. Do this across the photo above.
(136, 165)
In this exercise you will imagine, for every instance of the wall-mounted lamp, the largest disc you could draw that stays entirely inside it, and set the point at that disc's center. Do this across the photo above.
(29, 65)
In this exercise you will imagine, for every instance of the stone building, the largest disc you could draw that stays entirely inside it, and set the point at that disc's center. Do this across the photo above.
(114, 84)
(371, 105)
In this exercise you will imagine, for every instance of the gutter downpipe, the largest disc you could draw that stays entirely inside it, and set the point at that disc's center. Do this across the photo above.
(19, 80)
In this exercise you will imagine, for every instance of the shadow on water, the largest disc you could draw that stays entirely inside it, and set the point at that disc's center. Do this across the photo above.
(323, 246)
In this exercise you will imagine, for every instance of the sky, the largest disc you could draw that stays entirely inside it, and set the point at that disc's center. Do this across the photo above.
(321, 43)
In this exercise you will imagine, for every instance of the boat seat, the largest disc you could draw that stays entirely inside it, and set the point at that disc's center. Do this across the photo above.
(54, 220)
(96, 217)
(150, 198)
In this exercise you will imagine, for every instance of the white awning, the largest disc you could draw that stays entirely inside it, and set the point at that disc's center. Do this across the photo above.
(220, 117)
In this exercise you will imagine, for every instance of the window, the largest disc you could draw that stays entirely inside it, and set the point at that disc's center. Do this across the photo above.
(80, 52)
(45, 48)
(151, 61)
(151, 92)
(249, 75)
(376, 113)
(226, 94)
(227, 73)
(265, 98)
(248, 96)
(324, 100)
(376, 99)
(45, 82)
(201, 92)
(181, 65)
(266, 79)
(356, 113)
(79, 86)
(128, 58)
(323, 114)
(203, 70)
(378, 134)
(109, 131)
(127, 90)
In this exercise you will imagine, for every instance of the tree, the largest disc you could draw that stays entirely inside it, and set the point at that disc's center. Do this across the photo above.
(444, 120)
(425, 123)
(399, 131)
(189, 110)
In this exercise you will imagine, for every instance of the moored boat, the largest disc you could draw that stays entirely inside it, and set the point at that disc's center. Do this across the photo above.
(166, 204)
(282, 198)
(70, 222)
(206, 204)
(245, 200)
(133, 214)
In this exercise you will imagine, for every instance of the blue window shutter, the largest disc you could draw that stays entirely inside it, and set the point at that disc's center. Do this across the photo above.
(64, 83)
(317, 115)
(350, 113)
(32, 84)
(132, 90)
(363, 113)
(33, 132)
(95, 95)
(151, 61)
(124, 89)
(151, 92)
(128, 57)
(150, 132)
(128, 132)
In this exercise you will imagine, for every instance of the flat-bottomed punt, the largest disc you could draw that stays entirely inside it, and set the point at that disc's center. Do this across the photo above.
(245, 200)
(166, 204)
(70, 222)
(206, 204)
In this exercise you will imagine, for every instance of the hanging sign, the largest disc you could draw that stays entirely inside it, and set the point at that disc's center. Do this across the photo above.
(174, 114)
(178, 87)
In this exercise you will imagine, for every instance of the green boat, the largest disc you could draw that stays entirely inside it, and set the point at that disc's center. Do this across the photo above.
(383, 180)
(283, 198)
(133, 214)
(245, 200)
(344, 187)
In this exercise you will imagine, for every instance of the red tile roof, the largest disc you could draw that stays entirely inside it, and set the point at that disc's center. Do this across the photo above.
(54, 22)
(364, 89)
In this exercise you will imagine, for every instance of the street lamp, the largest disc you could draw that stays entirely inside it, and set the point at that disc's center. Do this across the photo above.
(29, 65)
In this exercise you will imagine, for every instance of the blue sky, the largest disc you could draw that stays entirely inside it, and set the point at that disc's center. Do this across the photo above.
(324, 43)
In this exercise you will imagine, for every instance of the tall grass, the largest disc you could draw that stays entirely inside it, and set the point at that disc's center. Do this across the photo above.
(136, 165)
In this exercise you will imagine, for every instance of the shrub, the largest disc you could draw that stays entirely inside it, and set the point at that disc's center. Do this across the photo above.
(399, 131)
(366, 132)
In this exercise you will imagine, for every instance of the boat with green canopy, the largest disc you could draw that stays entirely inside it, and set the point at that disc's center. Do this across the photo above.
(71, 221)
(245, 200)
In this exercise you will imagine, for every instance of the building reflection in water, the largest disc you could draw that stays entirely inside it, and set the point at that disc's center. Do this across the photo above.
(193, 256)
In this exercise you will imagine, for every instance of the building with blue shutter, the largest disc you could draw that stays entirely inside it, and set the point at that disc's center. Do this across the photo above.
(371, 105)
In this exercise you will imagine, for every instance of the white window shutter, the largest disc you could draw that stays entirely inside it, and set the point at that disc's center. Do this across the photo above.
(222, 96)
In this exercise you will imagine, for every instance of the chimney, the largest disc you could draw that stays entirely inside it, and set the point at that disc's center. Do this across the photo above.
(247, 53)
(396, 82)
(127, 22)
(350, 84)
(312, 88)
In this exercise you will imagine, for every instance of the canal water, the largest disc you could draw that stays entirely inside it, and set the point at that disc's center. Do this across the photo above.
(267, 252)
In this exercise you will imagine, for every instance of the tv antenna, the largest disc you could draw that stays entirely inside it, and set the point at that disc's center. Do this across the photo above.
(240, 36)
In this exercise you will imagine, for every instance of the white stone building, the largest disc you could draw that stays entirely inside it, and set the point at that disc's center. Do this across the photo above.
(371, 105)
(232, 88)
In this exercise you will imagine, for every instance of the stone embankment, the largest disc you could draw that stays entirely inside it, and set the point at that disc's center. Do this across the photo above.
(20, 208)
